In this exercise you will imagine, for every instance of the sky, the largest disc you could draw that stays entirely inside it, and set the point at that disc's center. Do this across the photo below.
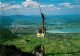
(48, 7)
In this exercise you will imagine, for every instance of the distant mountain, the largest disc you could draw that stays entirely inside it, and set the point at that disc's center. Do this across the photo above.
(4, 20)
(37, 19)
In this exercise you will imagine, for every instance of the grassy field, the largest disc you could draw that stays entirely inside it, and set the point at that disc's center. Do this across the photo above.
(69, 44)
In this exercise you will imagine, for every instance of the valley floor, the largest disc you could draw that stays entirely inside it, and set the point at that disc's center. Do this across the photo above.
(55, 44)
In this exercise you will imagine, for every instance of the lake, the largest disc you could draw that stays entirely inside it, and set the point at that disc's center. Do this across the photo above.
(67, 30)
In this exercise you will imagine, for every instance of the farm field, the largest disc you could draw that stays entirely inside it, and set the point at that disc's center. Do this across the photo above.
(55, 44)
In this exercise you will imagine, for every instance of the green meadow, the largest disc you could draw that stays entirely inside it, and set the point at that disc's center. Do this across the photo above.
(57, 44)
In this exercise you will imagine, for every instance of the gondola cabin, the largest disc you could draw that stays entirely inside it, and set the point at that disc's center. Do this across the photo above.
(41, 32)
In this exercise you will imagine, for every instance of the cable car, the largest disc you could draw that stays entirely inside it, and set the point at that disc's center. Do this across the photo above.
(41, 30)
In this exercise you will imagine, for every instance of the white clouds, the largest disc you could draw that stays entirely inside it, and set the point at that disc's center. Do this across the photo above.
(0, 3)
(58, 8)
(55, 8)
(69, 5)
(74, 6)
(43, 6)
(13, 6)
(6, 6)
(3, 5)
(47, 5)
(28, 0)
(29, 3)
(51, 5)
(65, 4)
(32, 4)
